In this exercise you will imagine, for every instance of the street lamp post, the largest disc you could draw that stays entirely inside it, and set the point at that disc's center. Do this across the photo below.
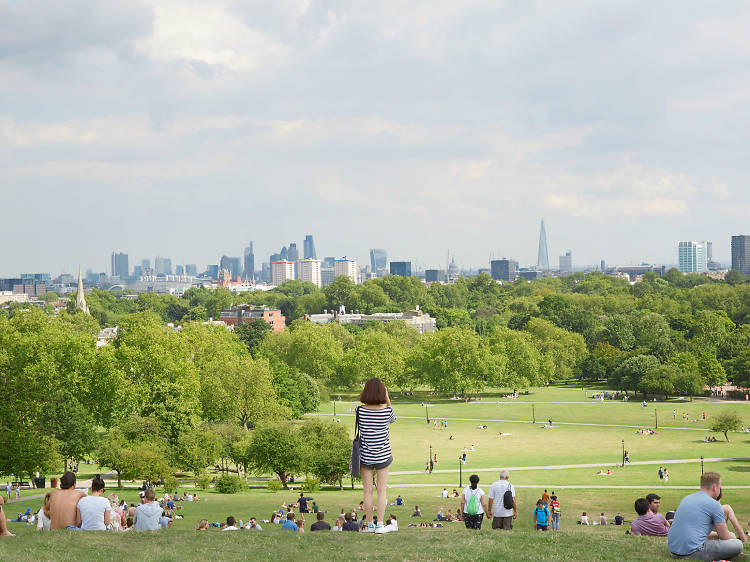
(426, 414)
(533, 414)
(430, 459)
(460, 474)
(623, 453)
(701, 465)
(334, 410)
(656, 418)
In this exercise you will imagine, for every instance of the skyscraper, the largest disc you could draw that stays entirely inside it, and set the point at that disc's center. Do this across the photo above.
(504, 269)
(402, 268)
(284, 254)
(347, 268)
(542, 260)
(293, 253)
(566, 263)
(741, 254)
(191, 269)
(309, 247)
(281, 271)
(120, 265)
(309, 271)
(163, 266)
(249, 264)
(146, 264)
(225, 263)
(691, 257)
(378, 261)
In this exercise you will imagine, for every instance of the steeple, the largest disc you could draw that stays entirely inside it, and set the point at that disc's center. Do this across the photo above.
(80, 298)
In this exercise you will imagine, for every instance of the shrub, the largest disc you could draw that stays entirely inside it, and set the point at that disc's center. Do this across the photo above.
(203, 481)
(274, 485)
(311, 485)
(170, 484)
(229, 484)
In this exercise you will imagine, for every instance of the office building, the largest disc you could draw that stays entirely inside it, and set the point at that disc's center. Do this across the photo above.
(327, 276)
(212, 271)
(741, 254)
(434, 275)
(119, 265)
(249, 259)
(281, 272)
(309, 247)
(347, 268)
(137, 271)
(265, 272)
(378, 261)
(328, 262)
(179, 270)
(146, 264)
(246, 314)
(504, 270)
(566, 263)
(292, 252)
(309, 271)
(691, 257)
(163, 266)
(542, 261)
(284, 254)
(402, 268)
(603, 266)
(191, 269)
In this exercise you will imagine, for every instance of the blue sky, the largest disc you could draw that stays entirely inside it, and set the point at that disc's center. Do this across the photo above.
(184, 129)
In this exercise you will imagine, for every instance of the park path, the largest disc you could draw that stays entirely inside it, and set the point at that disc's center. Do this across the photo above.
(556, 423)
(566, 466)
(570, 487)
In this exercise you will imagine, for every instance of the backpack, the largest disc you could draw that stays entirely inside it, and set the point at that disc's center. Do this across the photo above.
(544, 512)
(472, 507)
(508, 498)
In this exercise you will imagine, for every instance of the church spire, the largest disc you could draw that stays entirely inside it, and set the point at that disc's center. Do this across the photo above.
(80, 298)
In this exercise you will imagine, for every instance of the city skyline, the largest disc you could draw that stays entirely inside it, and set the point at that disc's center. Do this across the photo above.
(623, 125)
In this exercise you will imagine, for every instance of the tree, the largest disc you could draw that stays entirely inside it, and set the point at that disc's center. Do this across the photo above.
(329, 450)
(111, 451)
(277, 447)
(297, 391)
(145, 460)
(710, 369)
(524, 364)
(618, 331)
(72, 426)
(688, 383)
(629, 374)
(592, 369)
(197, 449)
(375, 353)
(253, 333)
(726, 422)
(660, 380)
(564, 349)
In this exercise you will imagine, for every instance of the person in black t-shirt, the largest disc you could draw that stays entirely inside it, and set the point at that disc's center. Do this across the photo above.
(619, 519)
(321, 525)
(349, 524)
(302, 502)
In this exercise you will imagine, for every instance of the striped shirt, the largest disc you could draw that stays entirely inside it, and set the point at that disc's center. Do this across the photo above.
(373, 431)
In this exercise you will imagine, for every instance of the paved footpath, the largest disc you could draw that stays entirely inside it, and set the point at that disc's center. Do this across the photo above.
(573, 487)
(566, 466)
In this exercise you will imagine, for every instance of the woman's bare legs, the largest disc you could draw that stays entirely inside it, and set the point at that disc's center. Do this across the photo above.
(366, 474)
(382, 476)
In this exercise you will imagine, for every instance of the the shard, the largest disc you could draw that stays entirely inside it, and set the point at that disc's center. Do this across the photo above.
(542, 260)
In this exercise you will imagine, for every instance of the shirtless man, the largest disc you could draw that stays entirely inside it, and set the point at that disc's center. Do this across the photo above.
(4, 532)
(63, 503)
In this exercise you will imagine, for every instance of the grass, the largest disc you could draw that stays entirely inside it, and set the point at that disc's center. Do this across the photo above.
(528, 446)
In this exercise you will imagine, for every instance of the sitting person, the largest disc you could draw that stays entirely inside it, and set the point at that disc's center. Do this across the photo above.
(619, 520)
(148, 514)
(602, 519)
(202, 525)
(339, 525)
(449, 516)
(93, 511)
(290, 524)
(440, 516)
(417, 512)
(648, 522)
(63, 503)
(584, 519)
(399, 500)
(252, 525)
(231, 525)
(454, 493)
(42, 517)
(350, 524)
(320, 524)
(697, 515)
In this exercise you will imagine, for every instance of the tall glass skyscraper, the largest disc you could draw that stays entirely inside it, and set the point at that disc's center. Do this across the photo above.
(309, 247)
(691, 257)
(542, 260)
(378, 260)
(249, 259)
(741, 254)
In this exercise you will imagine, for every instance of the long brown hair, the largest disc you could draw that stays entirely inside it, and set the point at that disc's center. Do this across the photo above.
(45, 505)
(374, 392)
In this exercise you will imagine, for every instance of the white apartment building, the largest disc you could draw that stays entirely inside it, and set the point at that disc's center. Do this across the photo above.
(281, 272)
(309, 270)
(347, 268)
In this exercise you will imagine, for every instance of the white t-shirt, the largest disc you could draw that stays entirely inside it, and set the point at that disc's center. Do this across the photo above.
(497, 491)
(468, 492)
(42, 522)
(584, 519)
(444, 493)
(92, 510)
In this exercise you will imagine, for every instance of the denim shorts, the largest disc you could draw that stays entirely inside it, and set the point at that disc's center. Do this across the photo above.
(379, 465)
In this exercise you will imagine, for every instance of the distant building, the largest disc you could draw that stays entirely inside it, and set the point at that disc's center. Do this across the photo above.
(212, 271)
(741, 254)
(328, 261)
(402, 268)
(293, 253)
(542, 261)
(347, 268)
(603, 266)
(378, 261)
(10, 296)
(191, 269)
(179, 270)
(691, 257)
(245, 314)
(119, 263)
(137, 271)
(634, 271)
(281, 272)
(566, 263)
(163, 266)
(530, 274)
(327, 276)
(434, 275)
(284, 253)
(415, 318)
(146, 264)
(504, 269)
(249, 263)
(309, 247)
(309, 271)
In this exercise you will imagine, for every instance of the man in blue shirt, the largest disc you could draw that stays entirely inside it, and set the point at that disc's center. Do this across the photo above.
(289, 524)
(303, 503)
(697, 515)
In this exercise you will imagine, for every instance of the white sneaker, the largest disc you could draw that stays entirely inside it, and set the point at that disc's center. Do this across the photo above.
(381, 530)
(370, 528)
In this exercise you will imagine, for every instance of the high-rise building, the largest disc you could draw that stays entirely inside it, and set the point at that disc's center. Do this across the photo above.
(273, 258)
(691, 257)
(265, 272)
(434, 275)
(191, 269)
(326, 276)
(309, 247)
(741, 254)
(137, 271)
(249, 258)
(566, 263)
(179, 270)
(347, 268)
(235, 267)
(146, 264)
(329, 261)
(402, 268)
(163, 266)
(284, 253)
(378, 261)
(212, 271)
(281, 272)
(504, 269)
(603, 266)
(542, 260)
(120, 265)
(225, 263)
(309, 271)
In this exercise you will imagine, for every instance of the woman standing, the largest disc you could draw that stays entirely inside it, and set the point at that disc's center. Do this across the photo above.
(375, 415)
(473, 504)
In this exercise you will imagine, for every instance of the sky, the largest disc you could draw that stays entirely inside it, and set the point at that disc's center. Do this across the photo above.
(185, 129)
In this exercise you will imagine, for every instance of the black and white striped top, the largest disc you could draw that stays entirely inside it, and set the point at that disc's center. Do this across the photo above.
(373, 430)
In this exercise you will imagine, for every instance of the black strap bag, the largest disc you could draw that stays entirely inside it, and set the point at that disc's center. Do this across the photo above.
(354, 460)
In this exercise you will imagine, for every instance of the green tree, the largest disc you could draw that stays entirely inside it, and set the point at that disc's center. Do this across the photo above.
(524, 364)
(329, 449)
(629, 374)
(72, 425)
(618, 331)
(688, 383)
(726, 422)
(564, 349)
(660, 380)
(710, 369)
(110, 452)
(277, 447)
(197, 449)
(253, 333)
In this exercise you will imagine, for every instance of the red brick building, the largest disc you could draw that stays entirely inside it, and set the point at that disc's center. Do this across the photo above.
(244, 314)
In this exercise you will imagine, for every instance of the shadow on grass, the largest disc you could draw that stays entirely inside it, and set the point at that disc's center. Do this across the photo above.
(739, 468)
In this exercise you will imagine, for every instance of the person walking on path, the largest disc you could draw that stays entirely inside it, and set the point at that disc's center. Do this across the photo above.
(375, 416)
(555, 505)
(697, 515)
(473, 504)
